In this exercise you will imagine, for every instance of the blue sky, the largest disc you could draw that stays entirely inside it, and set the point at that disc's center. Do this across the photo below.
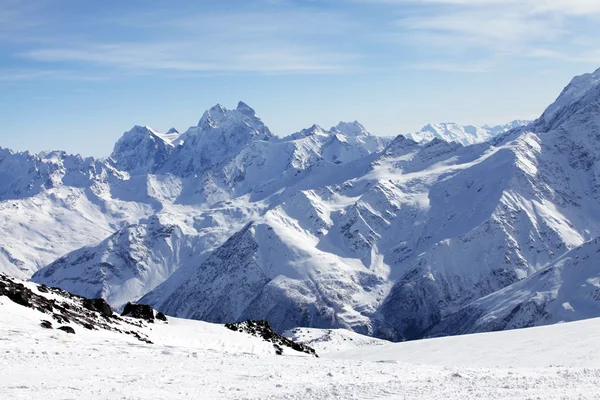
(74, 75)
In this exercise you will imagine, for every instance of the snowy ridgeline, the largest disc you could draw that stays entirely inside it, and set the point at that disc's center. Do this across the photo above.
(194, 359)
(324, 228)
(465, 135)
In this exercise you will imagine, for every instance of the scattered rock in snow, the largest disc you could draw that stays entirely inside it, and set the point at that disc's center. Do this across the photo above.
(263, 330)
(67, 308)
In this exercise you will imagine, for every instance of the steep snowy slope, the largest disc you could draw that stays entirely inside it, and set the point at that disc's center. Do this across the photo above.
(54, 203)
(124, 266)
(567, 290)
(465, 135)
(143, 150)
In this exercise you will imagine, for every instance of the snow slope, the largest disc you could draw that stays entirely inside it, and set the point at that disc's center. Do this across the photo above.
(124, 266)
(567, 290)
(191, 358)
(328, 341)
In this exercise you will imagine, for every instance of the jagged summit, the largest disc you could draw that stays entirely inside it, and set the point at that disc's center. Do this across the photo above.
(313, 130)
(245, 109)
(172, 131)
(350, 129)
(142, 149)
(582, 91)
(219, 117)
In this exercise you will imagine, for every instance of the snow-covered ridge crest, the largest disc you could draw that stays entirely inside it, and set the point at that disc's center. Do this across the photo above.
(580, 92)
(465, 135)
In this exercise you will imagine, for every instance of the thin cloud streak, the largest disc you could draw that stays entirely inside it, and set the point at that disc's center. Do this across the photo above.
(216, 42)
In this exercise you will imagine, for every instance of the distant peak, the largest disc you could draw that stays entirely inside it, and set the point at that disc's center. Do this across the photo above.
(172, 131)
(218, 113)
(579, 93)
(215, 113)
(313, 130)
(141, 129)
(243, 116)
(354, 128)
(245, 109)
(217, 108)
(429, 128)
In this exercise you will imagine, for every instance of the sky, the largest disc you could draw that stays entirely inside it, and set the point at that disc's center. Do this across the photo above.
(75, 75)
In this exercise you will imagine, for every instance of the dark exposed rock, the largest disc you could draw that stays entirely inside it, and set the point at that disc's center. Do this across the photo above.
(17, 292)
(161, 316)
(263, 330)
(140, 311)
(46, 324)
(43, 289)
(99, 305)
(140, 337)
(67, 308)
(67, 329)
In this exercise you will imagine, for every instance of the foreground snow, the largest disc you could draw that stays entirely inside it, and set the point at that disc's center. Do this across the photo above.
(192, 359)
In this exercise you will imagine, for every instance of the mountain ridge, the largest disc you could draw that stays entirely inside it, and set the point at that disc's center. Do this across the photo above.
(325, 229)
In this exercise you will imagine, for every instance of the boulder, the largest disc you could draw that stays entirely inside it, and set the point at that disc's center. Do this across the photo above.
(46, 324)
(140, 311)
(161, 316)
(98, 305)
(67, 329)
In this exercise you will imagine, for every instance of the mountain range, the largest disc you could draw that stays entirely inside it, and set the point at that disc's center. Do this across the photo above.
(323, 228)
(465, 135)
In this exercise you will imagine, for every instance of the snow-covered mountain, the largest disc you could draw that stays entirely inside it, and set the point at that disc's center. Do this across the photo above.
(567, 290)
(125, 266)
(465, 135)
(324, 228)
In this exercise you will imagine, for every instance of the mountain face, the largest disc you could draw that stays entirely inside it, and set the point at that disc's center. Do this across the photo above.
(53, 203)
(566, 290)
(465, 135)
(124, 266)
(142, 149)
(323, 228)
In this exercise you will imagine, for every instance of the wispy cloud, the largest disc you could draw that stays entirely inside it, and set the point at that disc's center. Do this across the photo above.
(563, 7)
(451, 67)
(461, 32)
(280, 42)
(288, 37)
